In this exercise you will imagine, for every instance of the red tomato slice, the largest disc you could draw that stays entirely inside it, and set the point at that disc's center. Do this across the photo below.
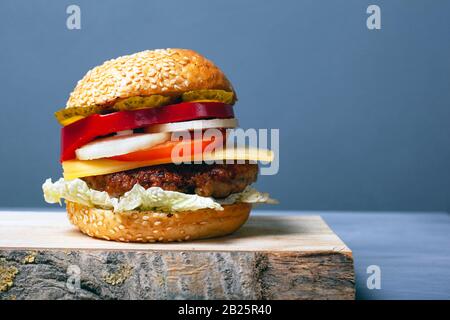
(164, 150)
(85, 130)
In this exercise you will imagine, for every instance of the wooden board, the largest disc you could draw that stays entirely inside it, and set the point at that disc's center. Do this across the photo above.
(272, 257)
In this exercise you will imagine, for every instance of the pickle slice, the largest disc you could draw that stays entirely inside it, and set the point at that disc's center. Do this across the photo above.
(64, 115)
(71, 115)
(138, 102)
(209, 95)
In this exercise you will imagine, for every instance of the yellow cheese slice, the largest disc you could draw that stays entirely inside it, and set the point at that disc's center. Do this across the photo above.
(71, 120)
(85, 168)
(204, 100)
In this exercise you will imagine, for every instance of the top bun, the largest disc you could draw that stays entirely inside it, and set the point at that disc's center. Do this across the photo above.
(162, 71)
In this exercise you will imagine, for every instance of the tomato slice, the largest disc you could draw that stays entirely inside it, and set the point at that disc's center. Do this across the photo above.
(164, 150)
(85, 130)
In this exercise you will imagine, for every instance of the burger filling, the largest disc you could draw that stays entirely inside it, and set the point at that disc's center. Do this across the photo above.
(121, 156)
(215, 180)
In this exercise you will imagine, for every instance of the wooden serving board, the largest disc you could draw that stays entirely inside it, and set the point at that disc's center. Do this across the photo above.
(271, 257)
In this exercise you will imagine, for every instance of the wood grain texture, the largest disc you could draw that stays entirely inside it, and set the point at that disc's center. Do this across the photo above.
(269, 258)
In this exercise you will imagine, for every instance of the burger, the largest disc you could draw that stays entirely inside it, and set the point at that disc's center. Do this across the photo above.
(137, 163)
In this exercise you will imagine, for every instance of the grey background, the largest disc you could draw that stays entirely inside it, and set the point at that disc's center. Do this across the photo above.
(363, 115)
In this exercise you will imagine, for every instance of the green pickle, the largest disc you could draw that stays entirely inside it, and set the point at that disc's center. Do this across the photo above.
(65, 114)
(135, 103)
(69, 115)
(214, 95)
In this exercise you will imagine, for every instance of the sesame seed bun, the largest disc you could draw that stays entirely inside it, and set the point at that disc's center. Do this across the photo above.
(149, 226)
(162, 71)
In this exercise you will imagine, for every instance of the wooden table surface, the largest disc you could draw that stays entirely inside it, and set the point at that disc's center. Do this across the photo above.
(270, 257)
(411, 248)
(52, 230)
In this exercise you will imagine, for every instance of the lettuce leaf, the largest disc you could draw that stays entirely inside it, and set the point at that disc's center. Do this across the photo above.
(153, 198)
(76, 191)
(249, 195)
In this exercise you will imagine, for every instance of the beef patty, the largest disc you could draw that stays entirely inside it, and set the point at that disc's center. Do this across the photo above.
(215, 180)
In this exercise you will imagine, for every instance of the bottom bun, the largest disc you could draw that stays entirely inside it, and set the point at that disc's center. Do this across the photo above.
(150, 226)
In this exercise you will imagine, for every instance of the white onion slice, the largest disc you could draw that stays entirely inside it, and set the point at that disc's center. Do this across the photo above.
(120, 144)
(124, 133)
(193, 125)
